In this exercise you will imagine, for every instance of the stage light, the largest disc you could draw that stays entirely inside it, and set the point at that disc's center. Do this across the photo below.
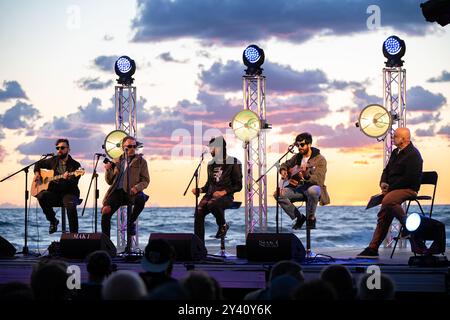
(113, 143)
(246, 125)
(394, 49)
(374, 121)
(413, 222)
(125, 68)
(436, 11)
(423, 228)
(253, 57)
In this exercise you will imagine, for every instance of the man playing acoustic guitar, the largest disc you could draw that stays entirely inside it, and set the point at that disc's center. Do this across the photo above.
(303, 179)
(60, 191)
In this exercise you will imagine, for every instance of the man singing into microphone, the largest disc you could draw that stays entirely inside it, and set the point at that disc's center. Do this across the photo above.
(224, 179)
(304, 179)
(60, 192)
(118, 178)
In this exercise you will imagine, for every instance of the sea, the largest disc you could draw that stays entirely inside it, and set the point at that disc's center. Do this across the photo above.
(337, 226)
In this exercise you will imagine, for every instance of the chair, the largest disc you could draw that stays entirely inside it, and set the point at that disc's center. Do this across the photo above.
(222, 252)
(428, 178)
(63, 216)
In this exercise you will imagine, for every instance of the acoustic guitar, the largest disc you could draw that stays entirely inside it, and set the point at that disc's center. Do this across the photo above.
(294, 179)
(47, 176)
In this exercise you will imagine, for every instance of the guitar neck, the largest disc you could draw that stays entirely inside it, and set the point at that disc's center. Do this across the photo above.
(60, 176)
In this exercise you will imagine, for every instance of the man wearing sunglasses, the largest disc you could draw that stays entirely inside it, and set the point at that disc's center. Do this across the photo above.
(311, 170)
(63, 191)
(118, 178)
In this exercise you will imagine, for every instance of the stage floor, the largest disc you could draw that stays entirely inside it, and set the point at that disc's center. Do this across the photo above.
(233, 273)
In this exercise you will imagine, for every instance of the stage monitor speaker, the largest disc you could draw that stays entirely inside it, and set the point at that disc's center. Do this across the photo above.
(79, 245)
(188, 246)
(274, 247)
(6, 248)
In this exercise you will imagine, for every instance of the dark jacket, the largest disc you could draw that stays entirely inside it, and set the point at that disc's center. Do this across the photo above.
(404, 169)
(316, 174)
(230, 180)
(64, 186)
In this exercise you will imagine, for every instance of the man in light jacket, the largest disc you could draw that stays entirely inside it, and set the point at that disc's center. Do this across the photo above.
(117, 177)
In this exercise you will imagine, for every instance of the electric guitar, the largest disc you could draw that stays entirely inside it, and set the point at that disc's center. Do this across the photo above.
(47, 176)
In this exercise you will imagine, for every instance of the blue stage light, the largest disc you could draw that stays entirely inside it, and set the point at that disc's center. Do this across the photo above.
(253, 57)
(252, 54)
(123, 64)
(125, 68)
(394, 49)
(392, 46)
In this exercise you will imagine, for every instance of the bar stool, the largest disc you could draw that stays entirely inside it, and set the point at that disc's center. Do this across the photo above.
(63, 216)
(222, 252)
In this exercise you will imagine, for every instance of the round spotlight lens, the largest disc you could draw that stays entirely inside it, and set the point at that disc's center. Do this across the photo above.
(123, 64)
(375, 121)
(252, 54)
(113, 143)
(392, 46)
(246, 125)
(413, 222)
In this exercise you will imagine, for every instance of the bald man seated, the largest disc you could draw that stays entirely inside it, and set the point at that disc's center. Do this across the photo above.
(400, 180)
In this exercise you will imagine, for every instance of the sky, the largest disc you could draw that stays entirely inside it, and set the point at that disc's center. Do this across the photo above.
(324, 64)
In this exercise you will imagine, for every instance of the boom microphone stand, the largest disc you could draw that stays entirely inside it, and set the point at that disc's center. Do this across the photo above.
(94, 178)
(25, 250)
(195, 175)
(277, 164)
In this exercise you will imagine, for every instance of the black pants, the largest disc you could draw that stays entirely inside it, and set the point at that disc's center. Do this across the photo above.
(217, 207)
(49, 199)
(118, 199)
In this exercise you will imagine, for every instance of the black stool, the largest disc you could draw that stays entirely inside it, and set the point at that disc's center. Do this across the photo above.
(308, 232)
(63, 216)
(222, 252)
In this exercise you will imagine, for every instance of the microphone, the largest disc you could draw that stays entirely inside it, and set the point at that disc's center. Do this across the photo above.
(48, 155)
(106, 160)
(101, 155)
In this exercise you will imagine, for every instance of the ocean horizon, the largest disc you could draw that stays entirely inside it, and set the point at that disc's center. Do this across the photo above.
(337, 226)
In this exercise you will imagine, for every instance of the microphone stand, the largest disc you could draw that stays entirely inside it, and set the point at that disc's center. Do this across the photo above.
(276, 164)
(94, 176)
(195, 175)
(25, 250)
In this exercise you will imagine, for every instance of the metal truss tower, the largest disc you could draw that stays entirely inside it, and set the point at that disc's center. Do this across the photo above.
(394, 100)
(254, 89)
(125, 104)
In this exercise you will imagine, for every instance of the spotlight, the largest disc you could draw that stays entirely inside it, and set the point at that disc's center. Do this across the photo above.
(374, 121)
(113, 143)
(246, 125)
(125, 68)
(394, 49)
(422, 229)
(436, 11)
(253, 57)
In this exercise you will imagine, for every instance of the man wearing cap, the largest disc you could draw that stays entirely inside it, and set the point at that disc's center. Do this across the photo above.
(117, 177)
(224, 179)
(157, 262)
(305, 175)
